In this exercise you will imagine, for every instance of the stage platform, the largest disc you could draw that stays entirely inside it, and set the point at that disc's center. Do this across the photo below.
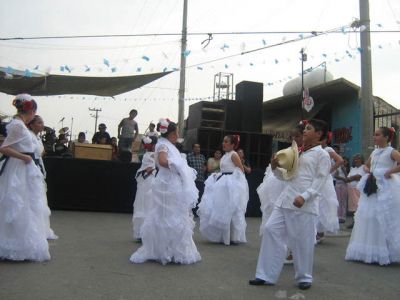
(108, 186)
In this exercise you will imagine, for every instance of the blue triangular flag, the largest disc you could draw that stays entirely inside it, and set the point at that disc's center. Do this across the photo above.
(146, 58)
(106, 62)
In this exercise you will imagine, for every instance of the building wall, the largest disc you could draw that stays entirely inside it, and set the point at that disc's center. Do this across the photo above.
(346, 121)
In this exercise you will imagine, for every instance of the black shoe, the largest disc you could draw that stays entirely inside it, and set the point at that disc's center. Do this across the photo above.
(304, 285)
(259, 281)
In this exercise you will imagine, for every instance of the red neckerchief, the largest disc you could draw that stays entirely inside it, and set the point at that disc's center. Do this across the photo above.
(306, 148)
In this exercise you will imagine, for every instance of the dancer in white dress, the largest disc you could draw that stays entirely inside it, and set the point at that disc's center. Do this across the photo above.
(36, 126)
(144, 179)
(223, 206)
(328, 208)
(22, 209)
(167, 231)
(376, 234)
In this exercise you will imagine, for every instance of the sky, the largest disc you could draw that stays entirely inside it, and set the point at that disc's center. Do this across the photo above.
(122, 56)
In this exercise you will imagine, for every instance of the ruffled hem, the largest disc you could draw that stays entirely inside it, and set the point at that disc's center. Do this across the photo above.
(223, 207)
(370, 254)
(167, 243)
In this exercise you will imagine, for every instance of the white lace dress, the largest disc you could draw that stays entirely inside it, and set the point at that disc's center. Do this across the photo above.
(376, 234)
(39, 148)
(223, 205)
(22, 209)
(142, 203)
(167, 231)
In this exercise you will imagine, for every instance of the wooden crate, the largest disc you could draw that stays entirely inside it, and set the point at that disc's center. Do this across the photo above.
(92, 151)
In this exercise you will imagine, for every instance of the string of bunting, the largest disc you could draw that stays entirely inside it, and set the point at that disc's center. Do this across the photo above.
(330, 58)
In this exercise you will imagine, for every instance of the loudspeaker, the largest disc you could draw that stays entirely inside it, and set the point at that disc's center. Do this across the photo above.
(250, 95)
(233, 114)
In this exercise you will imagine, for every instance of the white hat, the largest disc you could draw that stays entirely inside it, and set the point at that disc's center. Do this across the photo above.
(288, 160)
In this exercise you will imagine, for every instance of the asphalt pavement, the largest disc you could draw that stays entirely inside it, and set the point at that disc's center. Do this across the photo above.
(90, 260)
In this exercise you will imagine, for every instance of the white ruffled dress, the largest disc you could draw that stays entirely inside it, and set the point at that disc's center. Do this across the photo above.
(328, 220)
(167, 231)
(22, 209)
(268, 192)
(142, 203)
(39, 148)
(223, 205)
(376, 234)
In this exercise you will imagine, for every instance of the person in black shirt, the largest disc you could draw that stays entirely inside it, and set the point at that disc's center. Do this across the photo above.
(100, 134)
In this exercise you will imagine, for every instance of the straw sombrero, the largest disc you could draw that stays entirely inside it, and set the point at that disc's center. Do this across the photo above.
(288, 160)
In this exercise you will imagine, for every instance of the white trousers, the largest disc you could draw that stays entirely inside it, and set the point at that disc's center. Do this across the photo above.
(293, 229)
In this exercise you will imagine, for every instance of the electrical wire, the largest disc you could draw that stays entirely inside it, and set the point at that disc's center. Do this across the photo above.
(178, 34)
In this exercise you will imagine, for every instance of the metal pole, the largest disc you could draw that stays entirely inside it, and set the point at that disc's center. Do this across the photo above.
(181, 100)
(303, 59)
(366, 103)
(96, 110)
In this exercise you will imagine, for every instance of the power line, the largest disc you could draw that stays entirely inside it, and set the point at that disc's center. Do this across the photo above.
(178, 34)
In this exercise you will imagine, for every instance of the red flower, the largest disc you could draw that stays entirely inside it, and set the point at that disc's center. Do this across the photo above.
(27, 105)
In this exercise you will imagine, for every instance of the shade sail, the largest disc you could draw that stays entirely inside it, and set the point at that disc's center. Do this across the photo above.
(40, 85)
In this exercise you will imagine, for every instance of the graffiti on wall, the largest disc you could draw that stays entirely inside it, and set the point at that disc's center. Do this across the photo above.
(342, 135)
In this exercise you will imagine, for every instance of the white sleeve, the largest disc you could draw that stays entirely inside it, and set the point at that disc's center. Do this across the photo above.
(15, 133)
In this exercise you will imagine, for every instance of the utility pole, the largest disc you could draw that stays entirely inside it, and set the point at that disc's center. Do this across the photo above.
(303, 59)
(96, 116)
(366, 103)
(181, 100)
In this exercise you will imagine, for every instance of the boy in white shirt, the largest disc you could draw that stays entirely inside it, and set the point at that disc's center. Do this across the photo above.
(292, 221)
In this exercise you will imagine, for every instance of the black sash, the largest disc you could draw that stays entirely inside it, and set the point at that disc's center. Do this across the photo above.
(31, 154)
(144, 174)
(224, 173)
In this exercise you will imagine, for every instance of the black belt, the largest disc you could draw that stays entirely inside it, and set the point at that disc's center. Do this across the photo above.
(144, 174)
(31, 154)
(224, 173)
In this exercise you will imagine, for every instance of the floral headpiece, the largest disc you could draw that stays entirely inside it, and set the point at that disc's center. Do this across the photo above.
(237, 141)
(392, 132)
(164, 125)
(24, 102)
(303, 122)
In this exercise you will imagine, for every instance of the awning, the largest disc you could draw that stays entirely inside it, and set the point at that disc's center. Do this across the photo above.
(40, 85)
(281, 124)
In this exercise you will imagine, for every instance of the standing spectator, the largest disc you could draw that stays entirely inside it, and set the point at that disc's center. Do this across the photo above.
(82, 138)
(245, 163)
(128, 131)
(101, 133)
(114, 145)
(152, 131)
(213, 163)
(341, 189)
(355, 174)
(197, 161)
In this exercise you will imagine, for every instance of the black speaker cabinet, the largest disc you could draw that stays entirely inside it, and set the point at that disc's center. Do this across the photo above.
(250, 95)
(233, 114)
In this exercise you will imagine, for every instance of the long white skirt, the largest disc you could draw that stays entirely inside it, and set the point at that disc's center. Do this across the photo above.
(142, 205)
(376, 234)
(167, 230)
(328, 209)
(268, 192)
(23, 230)
(222, 208)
